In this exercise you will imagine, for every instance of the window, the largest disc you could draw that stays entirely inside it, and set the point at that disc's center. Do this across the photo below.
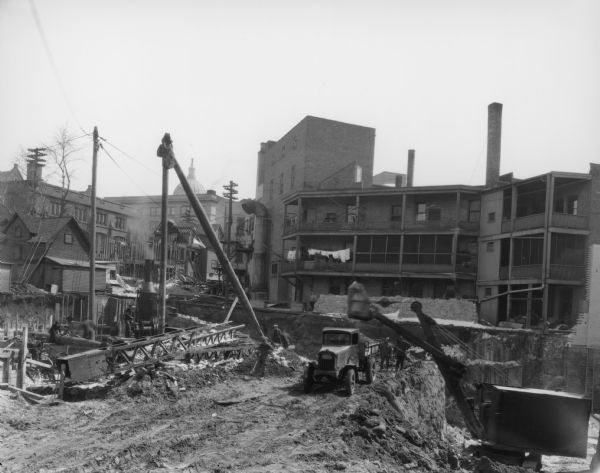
(119, 222)
(474, 211)
(274, 270)
(378, 249)
(488, 292)
(271, 189)
(55, 208)
(153, 211)
(170, 210)
(421, 212)
(81, 214)
(528, 250)
(572, 204)
(101, 218)
(183, 210)
(68, 238)
(358, 174)
(281, 183)
(351, 214)
(101, 243)
(330, 217)
(396, 213)
(489, 247)
(427, 249)
(428, 213)
(491, 217)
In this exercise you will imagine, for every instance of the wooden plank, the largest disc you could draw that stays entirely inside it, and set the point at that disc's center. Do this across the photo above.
(38, 363)
(36, 397)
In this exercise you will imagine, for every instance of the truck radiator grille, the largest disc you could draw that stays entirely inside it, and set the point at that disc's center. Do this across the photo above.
(328, 365)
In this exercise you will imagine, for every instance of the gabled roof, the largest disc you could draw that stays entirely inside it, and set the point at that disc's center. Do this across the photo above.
(13, 175)
(45, 229)
(49, 227)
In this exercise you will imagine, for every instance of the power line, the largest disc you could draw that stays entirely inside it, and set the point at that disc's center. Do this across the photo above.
(61, 86)
(126, 174)
(141, 163)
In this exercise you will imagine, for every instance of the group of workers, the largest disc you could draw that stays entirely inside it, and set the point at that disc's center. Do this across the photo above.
(392, 353)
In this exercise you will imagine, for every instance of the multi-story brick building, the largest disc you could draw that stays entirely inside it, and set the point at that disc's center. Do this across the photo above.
(315, 154)
(518, 247)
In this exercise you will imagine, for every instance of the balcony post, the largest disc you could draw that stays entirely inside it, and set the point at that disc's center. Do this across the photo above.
(298, 253)
(354, 245)
(547, 247)
(454, 250)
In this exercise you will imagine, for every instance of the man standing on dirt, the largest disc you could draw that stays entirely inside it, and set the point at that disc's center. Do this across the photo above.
(400, 355)
(385, 351)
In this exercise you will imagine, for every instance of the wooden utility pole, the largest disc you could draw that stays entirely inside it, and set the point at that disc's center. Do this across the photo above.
(92, 288)
(165, 151)
(164, 233)
(230, 195)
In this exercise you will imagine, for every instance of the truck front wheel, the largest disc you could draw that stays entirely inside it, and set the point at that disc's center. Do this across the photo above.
(370, 372)
(349, 381)
(309, 378)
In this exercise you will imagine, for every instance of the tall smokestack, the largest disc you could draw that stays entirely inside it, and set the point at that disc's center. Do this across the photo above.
(494, 141)
(410, 169)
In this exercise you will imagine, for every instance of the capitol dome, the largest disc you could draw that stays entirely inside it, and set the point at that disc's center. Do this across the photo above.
(194, 183)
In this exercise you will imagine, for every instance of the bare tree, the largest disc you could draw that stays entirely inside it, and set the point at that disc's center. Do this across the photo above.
(62, 152)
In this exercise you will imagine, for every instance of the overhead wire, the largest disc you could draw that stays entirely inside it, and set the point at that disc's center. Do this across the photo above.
(141, 163)
(53, 66)
(126, 174)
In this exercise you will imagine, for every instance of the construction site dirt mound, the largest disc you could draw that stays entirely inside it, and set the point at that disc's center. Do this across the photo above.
(221, 418)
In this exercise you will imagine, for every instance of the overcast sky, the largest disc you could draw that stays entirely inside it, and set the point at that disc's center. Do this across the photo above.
(224, 76)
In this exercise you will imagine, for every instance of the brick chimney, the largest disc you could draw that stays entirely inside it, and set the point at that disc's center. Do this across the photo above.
(494, 141)
(410, 168)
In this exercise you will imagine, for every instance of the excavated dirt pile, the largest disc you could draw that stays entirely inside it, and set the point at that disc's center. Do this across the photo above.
(203, 418)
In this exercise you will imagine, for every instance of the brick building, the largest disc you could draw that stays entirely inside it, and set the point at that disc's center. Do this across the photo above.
(520, 247)
(315, 154)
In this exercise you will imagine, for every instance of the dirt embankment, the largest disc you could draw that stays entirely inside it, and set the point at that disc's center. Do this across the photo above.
(220, 419)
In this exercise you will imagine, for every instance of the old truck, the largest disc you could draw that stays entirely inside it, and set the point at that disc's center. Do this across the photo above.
(343, 355)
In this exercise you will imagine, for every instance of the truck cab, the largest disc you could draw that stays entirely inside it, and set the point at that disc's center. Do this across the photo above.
(343, 355)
